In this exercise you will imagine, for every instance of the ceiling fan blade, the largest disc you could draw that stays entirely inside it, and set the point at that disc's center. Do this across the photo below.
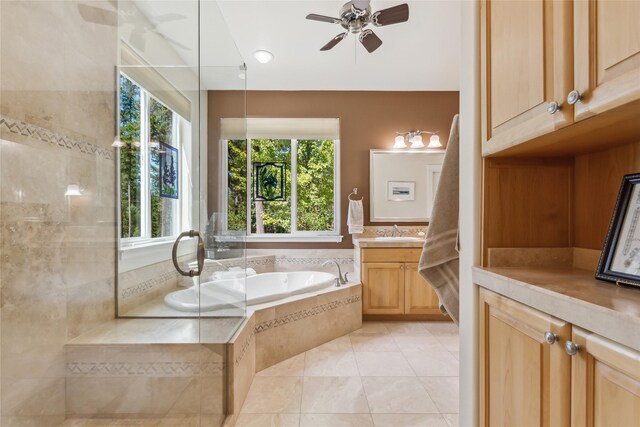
(322, 18)
(370, 40)
(168, 17)
(361, 4)
(97, 15)
(393, 15)
(334, 41)
(172, 41)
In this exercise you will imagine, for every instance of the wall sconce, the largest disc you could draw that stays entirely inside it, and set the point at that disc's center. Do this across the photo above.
(415, 138)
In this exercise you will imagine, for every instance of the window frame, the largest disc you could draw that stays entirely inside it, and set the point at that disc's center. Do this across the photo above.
(145, 239)
(295, 235)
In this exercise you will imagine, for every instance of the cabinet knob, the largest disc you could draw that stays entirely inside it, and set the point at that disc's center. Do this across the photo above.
(553, 107)
(550, 338)
(571, 348)
(402, 267)
(573, 97)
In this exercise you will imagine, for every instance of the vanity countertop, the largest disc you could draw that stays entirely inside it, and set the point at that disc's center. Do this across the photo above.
(388, 242)
(573, 295)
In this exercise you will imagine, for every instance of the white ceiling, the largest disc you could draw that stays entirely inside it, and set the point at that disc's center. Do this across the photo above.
(422, 54)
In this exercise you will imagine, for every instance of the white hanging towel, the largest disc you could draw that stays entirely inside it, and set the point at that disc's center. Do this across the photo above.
(355, 217)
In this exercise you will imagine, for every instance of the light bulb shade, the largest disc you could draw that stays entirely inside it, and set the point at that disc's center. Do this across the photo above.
(263, 56)
(434, 141)
(73, 190)
(117, 143)
(399, 142)
(416, 141)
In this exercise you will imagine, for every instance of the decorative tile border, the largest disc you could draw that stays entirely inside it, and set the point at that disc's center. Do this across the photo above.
(284, 260)
(148, 285)
(303, 314)
(245, 346)
(153, 369)
(53, 138)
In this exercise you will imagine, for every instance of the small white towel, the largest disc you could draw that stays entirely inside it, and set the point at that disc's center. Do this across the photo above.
(355, 217)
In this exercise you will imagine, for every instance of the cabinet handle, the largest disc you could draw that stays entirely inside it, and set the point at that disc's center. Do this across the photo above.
(573, 97)
(553, 107)
(571, 348)
(550, 338)
(402, 267)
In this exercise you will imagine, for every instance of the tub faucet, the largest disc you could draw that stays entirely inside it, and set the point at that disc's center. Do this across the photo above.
(341, 280)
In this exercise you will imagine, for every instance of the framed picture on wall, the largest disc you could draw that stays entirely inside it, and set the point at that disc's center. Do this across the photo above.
(620, 260)
(401, 191)
(168, 175)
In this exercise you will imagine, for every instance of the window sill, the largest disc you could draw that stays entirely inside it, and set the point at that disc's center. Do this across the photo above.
(293, 239)
(137, 255)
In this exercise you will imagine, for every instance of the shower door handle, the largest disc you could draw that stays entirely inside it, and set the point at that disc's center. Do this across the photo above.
(199, 251)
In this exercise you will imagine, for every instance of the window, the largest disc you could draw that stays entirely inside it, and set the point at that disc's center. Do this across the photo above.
(149, 165)
(303, 206)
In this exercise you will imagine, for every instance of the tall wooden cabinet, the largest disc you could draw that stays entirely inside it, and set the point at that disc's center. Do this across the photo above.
(605, 382)
(526, 69)
(546, 65)
(536, 370)
(392, 285)
(607, 55)
(524, 380)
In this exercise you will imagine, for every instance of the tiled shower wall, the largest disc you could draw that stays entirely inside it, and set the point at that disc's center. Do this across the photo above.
(57, 100)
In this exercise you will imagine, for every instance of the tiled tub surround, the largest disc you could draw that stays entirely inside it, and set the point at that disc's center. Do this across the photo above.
(274, 333)
(141, 292)
(170, 382)
(57, 114)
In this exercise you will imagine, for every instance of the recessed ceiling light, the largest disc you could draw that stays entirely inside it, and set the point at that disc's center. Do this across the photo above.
(263, 56)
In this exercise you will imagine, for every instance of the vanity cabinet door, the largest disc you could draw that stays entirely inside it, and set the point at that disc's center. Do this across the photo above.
(419, 296)
(523, 379)
(383, 288)
(525, 67)
(605, 386)
(607, 55)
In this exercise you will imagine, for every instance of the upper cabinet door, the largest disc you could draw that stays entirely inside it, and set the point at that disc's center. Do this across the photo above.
(526, 70)
(605, 388)
(607, 55)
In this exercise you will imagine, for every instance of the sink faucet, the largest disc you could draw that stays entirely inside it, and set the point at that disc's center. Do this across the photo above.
(395, 230)
(341, 280)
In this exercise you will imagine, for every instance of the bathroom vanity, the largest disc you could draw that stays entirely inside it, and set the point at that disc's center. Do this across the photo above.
(392, 287)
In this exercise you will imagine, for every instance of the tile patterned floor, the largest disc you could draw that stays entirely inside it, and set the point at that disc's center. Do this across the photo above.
(387, 374)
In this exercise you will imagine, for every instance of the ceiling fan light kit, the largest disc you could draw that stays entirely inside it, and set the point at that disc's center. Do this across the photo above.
(354, 18)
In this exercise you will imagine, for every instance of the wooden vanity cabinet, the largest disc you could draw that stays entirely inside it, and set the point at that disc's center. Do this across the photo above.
(392, 285)
(527, 376)
(523, 380)
(607, 55)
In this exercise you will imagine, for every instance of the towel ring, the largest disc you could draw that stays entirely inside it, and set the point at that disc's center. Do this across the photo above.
(354, 192)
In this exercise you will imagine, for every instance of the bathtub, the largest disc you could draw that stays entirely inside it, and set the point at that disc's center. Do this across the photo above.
(260, 288)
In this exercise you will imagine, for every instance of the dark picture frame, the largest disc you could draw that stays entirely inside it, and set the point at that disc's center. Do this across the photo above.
(269, 181)
(169, 173)
(620, 260)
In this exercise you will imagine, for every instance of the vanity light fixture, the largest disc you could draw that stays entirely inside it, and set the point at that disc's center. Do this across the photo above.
(263, 56)
(73, 190)
(415, 138)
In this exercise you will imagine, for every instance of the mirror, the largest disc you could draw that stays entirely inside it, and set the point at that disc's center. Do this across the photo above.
(403, 184)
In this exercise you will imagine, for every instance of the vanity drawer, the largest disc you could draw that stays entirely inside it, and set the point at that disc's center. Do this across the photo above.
(391, 255)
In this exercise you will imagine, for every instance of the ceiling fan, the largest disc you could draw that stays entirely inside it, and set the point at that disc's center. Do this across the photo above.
(356, 15)
(98, 15)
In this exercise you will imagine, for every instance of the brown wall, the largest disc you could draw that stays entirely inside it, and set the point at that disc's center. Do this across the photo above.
(368, 120)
